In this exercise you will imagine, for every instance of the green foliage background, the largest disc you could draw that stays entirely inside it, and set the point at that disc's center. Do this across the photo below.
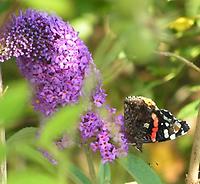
(122, 36)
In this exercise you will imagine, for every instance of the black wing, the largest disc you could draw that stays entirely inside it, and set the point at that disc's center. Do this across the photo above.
(169, 127)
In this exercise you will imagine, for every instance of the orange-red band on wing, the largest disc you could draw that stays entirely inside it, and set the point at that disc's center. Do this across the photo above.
(155, 128)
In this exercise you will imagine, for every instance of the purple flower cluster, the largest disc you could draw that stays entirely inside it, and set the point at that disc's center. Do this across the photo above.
(27, 35)
(104, 135)
(55, 61)
(90, 125)
(50, 55)
(99, 96)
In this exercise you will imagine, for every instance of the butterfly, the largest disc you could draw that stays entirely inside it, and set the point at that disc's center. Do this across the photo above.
(145, 123)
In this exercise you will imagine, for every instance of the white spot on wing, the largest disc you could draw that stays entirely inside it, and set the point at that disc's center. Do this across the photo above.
(173, 136)
(146, 125)
(167, 124)
(166, 133)
(166, 118)
(183, 132)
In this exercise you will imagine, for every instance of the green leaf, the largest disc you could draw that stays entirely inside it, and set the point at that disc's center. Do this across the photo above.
(139, 170)
(84, 25)
(144, 44)
(111, 56)
(192, 7)
(32, 153)
(78, 176)
(13, 103)
(195, 88)
(104, 175)
(64, 120)
(101, 50)
(108, 51)
(5, 5)
(63, 8)
(190, 110)
(27, 134)
(30, 176)
(22, 143)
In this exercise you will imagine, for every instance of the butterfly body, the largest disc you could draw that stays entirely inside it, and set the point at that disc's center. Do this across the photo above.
(146, 123)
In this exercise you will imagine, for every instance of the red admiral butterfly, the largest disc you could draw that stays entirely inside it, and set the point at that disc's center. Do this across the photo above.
(146, 123)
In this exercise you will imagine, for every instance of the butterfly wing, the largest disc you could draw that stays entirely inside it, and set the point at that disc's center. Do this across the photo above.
(144, 122)
(167, 127)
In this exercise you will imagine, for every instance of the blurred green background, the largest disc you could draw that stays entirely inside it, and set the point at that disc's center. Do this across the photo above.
(122, 36)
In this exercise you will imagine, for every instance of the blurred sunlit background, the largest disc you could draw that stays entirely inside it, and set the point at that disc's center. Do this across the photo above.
(123, 37)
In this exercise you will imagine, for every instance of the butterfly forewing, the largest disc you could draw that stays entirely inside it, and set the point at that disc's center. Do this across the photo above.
(169, 127)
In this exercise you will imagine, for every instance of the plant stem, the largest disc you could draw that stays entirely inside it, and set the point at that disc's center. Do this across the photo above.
(193, 172)
(90, 164)
(3, 169)
(1, 83)
(187, 62)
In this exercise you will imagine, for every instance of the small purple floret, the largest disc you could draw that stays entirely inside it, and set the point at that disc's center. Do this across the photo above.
(107, 150)
(90, 125)
(99, 97)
